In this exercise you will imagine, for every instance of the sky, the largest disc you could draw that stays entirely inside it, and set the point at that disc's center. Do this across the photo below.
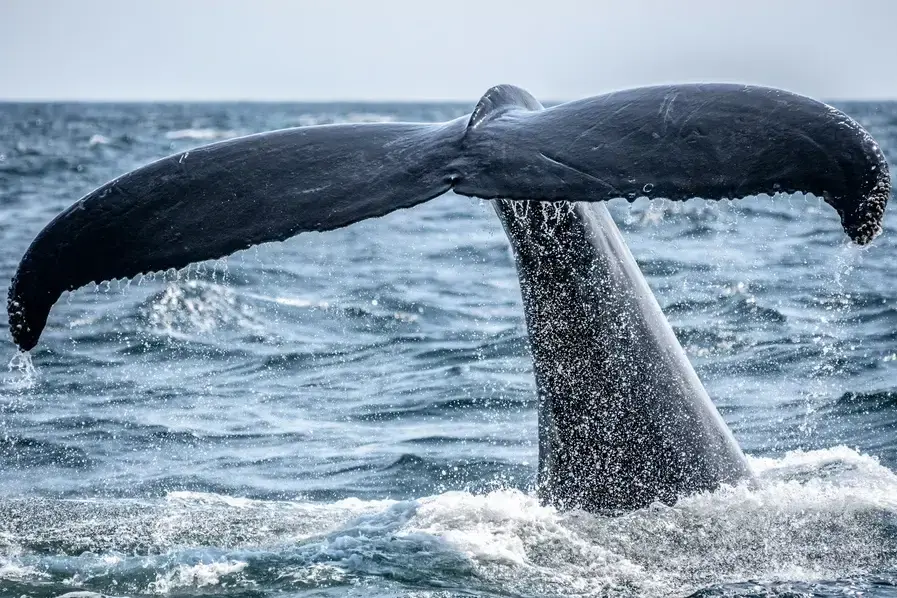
(446, 50)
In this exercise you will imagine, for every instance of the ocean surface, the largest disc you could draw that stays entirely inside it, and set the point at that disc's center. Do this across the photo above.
(353, 413)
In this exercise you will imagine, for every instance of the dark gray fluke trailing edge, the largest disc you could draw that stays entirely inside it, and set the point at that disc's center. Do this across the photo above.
(623, 418)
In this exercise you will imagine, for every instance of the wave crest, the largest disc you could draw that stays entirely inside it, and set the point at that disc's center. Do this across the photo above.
(813, 515)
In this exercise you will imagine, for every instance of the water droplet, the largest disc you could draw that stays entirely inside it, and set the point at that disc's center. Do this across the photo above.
(24, 375)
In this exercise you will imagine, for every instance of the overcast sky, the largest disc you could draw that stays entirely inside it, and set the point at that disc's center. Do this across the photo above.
(452, 49)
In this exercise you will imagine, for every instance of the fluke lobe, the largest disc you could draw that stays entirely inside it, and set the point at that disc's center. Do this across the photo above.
(623, 418)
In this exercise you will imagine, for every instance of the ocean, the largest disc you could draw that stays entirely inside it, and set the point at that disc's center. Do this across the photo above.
(353, 413)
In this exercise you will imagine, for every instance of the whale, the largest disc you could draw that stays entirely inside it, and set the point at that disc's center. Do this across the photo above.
(623, 419)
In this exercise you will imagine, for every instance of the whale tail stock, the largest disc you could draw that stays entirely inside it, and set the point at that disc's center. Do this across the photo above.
(677, 142)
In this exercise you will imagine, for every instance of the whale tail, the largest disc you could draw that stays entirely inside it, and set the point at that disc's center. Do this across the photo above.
(678, 142)
(212, 201)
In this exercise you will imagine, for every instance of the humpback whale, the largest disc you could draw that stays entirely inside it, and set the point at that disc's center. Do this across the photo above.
(623, 419)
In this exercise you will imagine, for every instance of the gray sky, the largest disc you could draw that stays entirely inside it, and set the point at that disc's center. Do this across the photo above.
(452, 49)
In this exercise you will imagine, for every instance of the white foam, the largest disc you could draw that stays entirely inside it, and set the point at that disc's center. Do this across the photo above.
(98, 140)
(298, 302)
(351, 505)
(308, 119)
(206, 134)
(13, 570)
(481, 526)
(316, 575)
(810, 516)
(22, 373)
(196, 576)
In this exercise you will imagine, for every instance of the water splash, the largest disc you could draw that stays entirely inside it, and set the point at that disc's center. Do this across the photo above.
(828, 332)
(23, 375)
(196, 306)
(846, 258)
(812, 516)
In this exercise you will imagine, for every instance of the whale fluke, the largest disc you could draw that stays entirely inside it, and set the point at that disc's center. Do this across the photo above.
(209, 202)
(677, 142)
(680, 142)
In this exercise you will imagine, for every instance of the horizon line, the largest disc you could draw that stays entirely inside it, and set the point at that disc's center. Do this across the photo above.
(345, 100)
(211, 100)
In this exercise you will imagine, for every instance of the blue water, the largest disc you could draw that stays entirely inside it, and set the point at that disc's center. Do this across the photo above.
(353, 413)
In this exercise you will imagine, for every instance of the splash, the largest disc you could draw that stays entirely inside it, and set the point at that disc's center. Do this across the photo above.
(23, 375)
(813, 516)
(199, 575)
(826, 374)
(194, 306)
(845, 263)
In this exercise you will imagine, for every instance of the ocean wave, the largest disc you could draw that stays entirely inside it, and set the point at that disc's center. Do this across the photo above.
(812, 515)
(866, 402)
(739, 306)
(506, 344)
(327, 118)
(415, 408)
(137, 434)
(204, 134)
(21, 452)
